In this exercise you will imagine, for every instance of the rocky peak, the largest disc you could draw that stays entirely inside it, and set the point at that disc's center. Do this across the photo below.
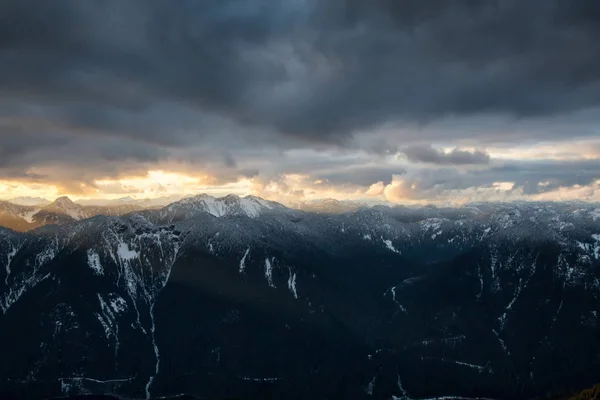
(63, 202)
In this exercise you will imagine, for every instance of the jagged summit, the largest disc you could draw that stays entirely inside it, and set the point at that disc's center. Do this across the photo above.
(231, 197)
(231, 204)
(64, 205)
(62, 201)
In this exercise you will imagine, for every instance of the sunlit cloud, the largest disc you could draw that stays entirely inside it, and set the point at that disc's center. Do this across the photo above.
(582, 149)
(347, 178)
(12, 189)
(163, 183)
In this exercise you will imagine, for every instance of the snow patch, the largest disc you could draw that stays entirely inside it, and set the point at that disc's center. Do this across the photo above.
(9, 258)
(371, 386)
(243, 260)
(93, 260)
(477, 367)
(596, 249)
(269, 271)
(486, 232)
(106, 318)
(250, 207)
(77, 386)
(292, 283)
(403, 391)
(390, 246)
(433, 224)
(247, 378)
(118, 304)
(45, 256)
(392, 290)
(125, 253)
(436, 234)
(28, 215)
(502, 344)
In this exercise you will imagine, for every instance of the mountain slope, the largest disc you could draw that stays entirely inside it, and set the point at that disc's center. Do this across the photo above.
(61, 211)
(494, 301)
(17, 217)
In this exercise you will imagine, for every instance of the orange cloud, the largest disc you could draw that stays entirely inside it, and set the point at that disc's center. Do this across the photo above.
(375, 189)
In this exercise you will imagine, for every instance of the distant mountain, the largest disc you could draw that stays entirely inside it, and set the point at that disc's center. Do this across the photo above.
(65, 206)
(244, 298)
(334, 206)
(142, 203)
(30, 201)
(327, 206)
(64, 211)
(17, 217)
(61, 211)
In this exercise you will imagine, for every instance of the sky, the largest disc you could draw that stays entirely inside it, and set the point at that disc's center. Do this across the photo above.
(413, 101)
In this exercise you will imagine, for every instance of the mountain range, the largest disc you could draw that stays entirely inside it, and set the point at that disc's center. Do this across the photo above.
(26, 213)
(245, 298)
(61, 211)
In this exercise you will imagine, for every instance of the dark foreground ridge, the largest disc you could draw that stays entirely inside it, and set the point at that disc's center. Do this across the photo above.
(248, 299)
(586, 394)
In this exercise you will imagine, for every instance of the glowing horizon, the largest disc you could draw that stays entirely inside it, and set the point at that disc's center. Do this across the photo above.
(158, 184)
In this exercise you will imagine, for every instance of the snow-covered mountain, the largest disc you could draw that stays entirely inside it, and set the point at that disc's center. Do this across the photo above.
(65, 206)
(16, 216)
(230, 205)
(61, 211)
(240, 297)
(64, 211)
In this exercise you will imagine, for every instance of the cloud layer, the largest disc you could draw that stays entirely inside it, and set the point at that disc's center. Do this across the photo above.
(350, 93)
(427, 154)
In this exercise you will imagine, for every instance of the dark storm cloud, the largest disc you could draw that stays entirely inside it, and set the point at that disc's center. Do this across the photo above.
(24, 149)
(427, 154)
(318, 69)
(529, 178)
(15, 146)
(542, 176)
(106, 87)
(362, 175)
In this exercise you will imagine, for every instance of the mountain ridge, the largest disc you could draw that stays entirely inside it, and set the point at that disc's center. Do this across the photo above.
(64, 210)
(497, 301)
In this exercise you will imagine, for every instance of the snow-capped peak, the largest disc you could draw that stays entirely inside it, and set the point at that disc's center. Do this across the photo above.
(66, 206)
(63, 201)
(232, 204)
